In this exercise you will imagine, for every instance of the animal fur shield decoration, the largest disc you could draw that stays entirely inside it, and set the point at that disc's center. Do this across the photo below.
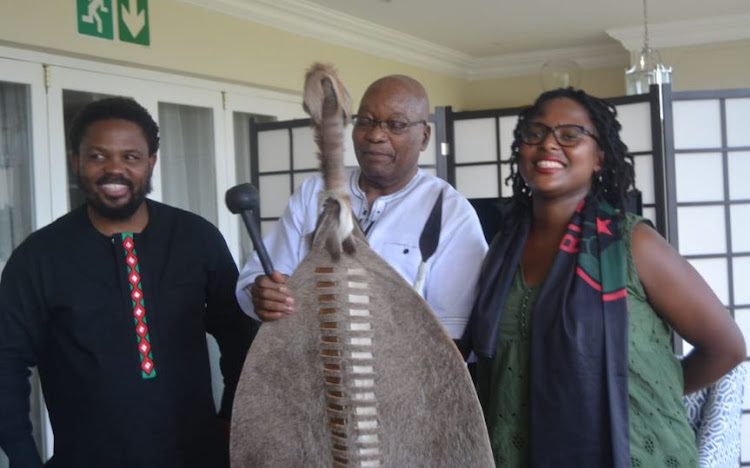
(362, 374)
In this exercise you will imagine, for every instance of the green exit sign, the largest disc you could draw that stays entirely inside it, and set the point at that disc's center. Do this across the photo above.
(133, 21)
(97, 18)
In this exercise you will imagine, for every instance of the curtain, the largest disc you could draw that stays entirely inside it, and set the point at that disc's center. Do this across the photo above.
(187, 160)
(16, 193)
(15, 167)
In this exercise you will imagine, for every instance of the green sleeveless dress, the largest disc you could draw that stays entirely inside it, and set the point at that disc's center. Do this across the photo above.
(659, 432)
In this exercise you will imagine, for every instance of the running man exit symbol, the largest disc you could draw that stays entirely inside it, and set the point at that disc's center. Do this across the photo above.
(95, 18)
(133, 21)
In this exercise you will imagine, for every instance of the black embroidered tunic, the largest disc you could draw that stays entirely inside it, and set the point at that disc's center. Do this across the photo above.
(116, 326)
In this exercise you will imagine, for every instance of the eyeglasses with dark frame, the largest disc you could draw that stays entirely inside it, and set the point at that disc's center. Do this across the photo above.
(393, 126)
(533, 133)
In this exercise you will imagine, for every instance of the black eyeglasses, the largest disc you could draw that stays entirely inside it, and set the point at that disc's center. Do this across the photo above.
(533, 133)
(393, 126)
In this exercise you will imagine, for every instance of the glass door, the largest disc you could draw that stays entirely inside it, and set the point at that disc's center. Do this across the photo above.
(24, 194)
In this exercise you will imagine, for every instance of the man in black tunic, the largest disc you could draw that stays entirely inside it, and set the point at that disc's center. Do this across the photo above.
(112, 303)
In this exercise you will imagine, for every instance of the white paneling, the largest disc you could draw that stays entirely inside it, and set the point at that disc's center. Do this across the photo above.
(299, 178)
(739, 169)
(644, 177)
(477, 181)
(745, 450)
(428, 155)
(650, 214)
(350, 157)
(738, 122)
(274, 194)
(304, 148)
(636, 126)
(741, 270)
(430, 170)
(475, 140)
(714, 272)
(265, 227)
(694, 237)
(273, 150)
(697, 124)
(506, 126)
(740, 228)
(700, 177)
(742, 317)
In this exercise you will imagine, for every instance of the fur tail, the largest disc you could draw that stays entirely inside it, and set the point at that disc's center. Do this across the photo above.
(328, 103)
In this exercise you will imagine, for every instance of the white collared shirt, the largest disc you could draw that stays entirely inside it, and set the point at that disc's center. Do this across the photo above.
(393, 227)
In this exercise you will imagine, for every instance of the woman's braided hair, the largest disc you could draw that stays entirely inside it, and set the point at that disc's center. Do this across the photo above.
(616, 175)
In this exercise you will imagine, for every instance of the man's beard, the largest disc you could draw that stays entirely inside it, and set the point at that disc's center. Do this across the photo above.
(114, 213)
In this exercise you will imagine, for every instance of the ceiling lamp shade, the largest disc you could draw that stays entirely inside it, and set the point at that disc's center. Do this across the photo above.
(647, 68)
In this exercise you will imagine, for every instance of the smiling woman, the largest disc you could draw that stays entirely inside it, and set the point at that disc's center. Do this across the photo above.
(577, 303)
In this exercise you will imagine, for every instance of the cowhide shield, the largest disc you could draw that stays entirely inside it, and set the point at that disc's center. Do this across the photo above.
(361, 375)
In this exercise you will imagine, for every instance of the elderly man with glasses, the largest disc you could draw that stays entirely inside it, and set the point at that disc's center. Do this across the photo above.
(396, 204)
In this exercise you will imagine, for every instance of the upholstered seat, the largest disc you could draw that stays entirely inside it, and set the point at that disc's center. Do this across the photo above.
(715, 414)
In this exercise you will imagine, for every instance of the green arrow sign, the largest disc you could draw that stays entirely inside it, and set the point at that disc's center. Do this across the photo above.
(133, 21)
(95, 18)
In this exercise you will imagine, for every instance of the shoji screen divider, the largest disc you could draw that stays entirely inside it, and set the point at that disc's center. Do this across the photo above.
(712, 201)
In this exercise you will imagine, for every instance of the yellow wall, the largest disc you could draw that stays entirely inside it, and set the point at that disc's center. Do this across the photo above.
(191, 40)
(723, 65)
(522, 90)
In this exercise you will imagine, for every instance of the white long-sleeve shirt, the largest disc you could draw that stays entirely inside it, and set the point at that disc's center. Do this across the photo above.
(393, 228)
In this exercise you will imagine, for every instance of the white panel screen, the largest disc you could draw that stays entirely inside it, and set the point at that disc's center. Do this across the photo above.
(506, 125)
(738, 122)
(742, 317)
(273, 150)
(650, 214)
(697, 124)
(714, 272)
(477, 181)
(428, 155)
(274, 190)
(644, 177)
(740, 216)
(741, 269)
(301, 177)
(694, 236)
(475, 140)
(636, 126)
(350, 157)
(745, 451)
(739, 170)
(304, 148)
(265, 227)
(700, 177)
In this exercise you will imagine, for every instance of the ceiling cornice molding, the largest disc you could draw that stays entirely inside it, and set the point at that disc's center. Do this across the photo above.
(529, 63)
(309, 19)
(685, 33)
(312, 20)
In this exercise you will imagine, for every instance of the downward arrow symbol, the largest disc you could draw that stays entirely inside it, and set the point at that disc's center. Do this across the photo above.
(133, 19)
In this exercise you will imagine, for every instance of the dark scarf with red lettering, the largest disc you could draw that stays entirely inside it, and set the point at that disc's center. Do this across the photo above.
(579, 342)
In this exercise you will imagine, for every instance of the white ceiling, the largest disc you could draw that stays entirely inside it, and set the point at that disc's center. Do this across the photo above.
(479, 39)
